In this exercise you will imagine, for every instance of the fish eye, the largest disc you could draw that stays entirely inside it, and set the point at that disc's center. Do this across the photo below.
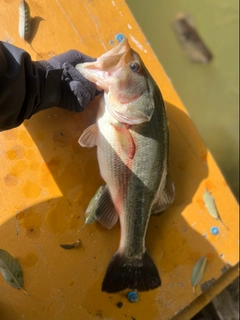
(135, 66)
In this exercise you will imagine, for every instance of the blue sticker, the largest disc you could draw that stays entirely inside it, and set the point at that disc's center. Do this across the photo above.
(132, 296)
(214, 231)
(119, 37)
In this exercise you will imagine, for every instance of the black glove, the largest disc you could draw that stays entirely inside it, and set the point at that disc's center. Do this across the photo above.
(76, 90)
(27, 87)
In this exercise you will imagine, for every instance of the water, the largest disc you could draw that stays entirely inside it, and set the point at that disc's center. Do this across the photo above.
(209, 92)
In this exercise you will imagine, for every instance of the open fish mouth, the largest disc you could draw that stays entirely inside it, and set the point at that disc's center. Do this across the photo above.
(99, 70)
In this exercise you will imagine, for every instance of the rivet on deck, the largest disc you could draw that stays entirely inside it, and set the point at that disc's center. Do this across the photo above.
(119, 37)
(132, 296)
(214, 231)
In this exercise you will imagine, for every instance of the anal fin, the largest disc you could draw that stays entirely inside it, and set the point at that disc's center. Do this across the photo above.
(106, 213)
(165, 198)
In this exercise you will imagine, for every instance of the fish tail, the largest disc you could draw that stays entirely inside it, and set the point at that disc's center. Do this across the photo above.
(133, 273)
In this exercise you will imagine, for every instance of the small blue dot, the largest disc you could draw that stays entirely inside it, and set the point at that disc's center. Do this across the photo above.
(214, 231)
(119, 37)
(132, 296)
(111, 42)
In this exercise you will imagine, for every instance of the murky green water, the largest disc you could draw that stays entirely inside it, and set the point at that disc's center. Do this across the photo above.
(209, 92)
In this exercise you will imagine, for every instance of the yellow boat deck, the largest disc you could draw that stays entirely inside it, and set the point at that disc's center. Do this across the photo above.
(47, 180)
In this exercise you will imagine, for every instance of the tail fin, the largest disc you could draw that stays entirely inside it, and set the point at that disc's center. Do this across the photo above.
(132, 273)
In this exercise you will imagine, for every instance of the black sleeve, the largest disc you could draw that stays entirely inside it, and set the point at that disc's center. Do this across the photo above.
(22, 86)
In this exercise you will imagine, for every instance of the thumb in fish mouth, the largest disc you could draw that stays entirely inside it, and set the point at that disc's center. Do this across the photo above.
(93, 74)
(97, 71)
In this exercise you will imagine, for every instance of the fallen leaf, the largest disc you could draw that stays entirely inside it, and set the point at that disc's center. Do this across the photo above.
(211, 206)
(198, 271)
(11, 270)
(70, 246)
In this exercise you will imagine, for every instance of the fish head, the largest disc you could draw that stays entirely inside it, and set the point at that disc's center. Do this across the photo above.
(126, 82)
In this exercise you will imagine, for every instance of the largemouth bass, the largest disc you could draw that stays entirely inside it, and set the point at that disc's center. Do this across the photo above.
(131, 136)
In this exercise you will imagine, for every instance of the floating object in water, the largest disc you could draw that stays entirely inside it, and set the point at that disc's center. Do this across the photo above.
(190, 40)
(198, 271)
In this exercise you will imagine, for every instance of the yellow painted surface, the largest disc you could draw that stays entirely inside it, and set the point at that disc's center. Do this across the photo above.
(47, 180)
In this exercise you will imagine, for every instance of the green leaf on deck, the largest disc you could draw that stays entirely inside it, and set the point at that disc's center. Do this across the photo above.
(11, 270)
(198, 271)
(211, 207)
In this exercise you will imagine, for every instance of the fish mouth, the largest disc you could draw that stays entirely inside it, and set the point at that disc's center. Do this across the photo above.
(119, 50)
(99, 70)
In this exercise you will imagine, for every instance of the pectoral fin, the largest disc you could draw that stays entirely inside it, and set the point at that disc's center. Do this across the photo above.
(106, 213)
(164, 198)
(89, 136)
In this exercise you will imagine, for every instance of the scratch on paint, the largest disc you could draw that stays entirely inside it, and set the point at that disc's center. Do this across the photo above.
(16, 220)
(70, 21)
(129, 26)
(96, 25)
(138, 44)
(40, 250)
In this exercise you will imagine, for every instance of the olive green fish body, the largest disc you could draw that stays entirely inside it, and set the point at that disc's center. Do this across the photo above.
(132, 148)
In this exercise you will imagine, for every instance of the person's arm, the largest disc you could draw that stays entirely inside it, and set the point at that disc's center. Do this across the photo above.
(27, 87)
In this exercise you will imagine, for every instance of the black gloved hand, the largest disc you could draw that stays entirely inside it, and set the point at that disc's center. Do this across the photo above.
(76, 90)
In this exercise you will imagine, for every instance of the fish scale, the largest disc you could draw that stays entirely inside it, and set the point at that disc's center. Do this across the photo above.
(131, 136)
(148, 181)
